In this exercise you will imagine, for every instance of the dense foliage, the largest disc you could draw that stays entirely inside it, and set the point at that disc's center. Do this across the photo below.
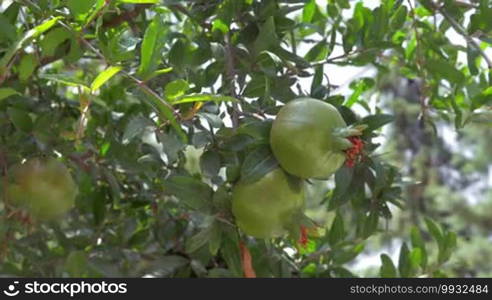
(160, 108)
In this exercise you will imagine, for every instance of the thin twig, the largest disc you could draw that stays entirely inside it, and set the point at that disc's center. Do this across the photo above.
(231, 77)
(342, 56)
(421, 70)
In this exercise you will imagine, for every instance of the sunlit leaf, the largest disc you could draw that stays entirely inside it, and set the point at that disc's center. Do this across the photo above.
(104, 76)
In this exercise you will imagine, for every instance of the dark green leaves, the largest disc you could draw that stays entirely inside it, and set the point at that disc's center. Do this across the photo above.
(404, 262)
(398, 19)
(318, 52)
(164, 109)
(267, 37)
(337, 231)
(135, 127)
(387, 269)
(7, 92)
(413, 261)
(28, 36)
(443, 69)
(374, 122)
(139, 1)
(190, 191)
(20, 118)
(446, 240)
(258, 163)
(210, 163)
(418, 243)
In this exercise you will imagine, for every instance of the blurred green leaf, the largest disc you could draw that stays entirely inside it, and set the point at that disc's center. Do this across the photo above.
(28, 36)
(404, 262)
(191, 191)
(387, 269)
(20, 118)
(337, 231)
(7, 92)
(104, 76)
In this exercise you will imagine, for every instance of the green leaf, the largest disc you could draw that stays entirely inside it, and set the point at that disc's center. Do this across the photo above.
(267, 38)
(203, 98)
(404, 264)
(28, 36)
(140, 1)
(80, 9)
(167, 265)
(27, 66)
(95, 11)
(176, 88)
(448, 246)
(135, 127)
(198, 240)
(341, 272)
(20, 118)
(472, 54)
(318, 52)
(343, 182)
(415, 258)
(151, 47)
(164, 111)
(190, 191)
(309, 11)
(219, 25)
(7, 92)
(374, 122)
(359, 87)
(53, 39)
(388, 269)
(258, 163)
(287, 55)
(215, 239)
(210, 163)
(76, 264)
(342, 256)
(370, 224)
(418, 242)
(269, 63)
(231, 253)
(8, 31)
(337, 230)
(443, 69)
(399, 18)
(104, 76)
(434, 230)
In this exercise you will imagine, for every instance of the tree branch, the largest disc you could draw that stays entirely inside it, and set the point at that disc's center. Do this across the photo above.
(231, 77)
(459, 29)
(342, 56)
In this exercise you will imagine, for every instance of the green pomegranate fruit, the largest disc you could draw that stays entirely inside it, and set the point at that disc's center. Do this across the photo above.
(309, 138)
(44, 187)
(266, 208)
